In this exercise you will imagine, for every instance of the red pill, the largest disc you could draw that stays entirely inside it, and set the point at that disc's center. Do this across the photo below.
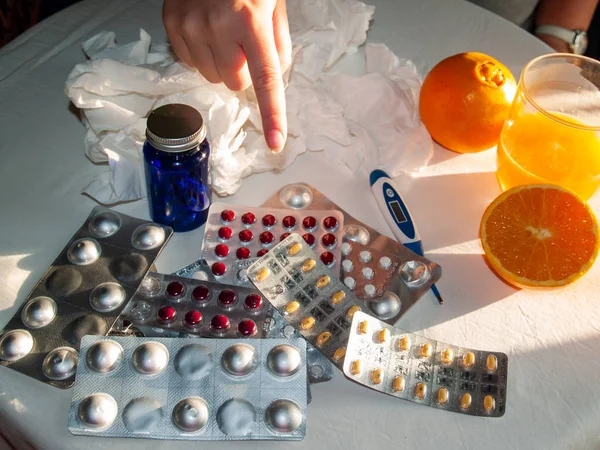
(246, 235)
(330, 223)
(327, 258)
(227, 215)
(253, 301)
(227, 298)
(248, 218)
(247, 328)
(221, 250)
(220, 323)
(266, 237)
(242, 253)
(219, 269)
(225, 233)
(201, 293)
(175, 289)
(329, 240)
(268, 220)
(262, 252)
(309, 223)
(309, 239)
(192, 318)
(166, 314)
(289, 222)
(283, 236)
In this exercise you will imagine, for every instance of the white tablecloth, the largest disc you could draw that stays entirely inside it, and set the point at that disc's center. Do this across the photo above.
(551, 337)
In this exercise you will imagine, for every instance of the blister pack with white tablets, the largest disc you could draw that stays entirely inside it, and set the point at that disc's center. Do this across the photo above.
(414, 368)
(190, 389)
(412, 279)
(81, 293)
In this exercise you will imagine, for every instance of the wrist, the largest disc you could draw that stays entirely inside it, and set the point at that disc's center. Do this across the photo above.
(557, 44)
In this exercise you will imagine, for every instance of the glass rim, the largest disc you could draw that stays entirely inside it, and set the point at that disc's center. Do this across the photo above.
(538, 107)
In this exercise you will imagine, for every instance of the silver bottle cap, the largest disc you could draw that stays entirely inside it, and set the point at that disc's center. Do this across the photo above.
(175, 128)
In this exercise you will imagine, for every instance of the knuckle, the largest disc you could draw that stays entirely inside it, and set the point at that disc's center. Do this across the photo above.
(266, 80)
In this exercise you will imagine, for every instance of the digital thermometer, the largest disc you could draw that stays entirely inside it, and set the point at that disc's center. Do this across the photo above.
(397, 215)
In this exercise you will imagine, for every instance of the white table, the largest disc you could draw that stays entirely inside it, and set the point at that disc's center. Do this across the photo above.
(551, 337)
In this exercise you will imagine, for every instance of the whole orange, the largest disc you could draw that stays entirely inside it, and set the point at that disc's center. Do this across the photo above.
(465, 100)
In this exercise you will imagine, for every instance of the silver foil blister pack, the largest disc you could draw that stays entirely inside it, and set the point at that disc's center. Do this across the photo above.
(421, 370)
(81, 293)
(416, 273)
(200, 308)
(308, 295)
(188, 389)
(235, 233)
(318, 366)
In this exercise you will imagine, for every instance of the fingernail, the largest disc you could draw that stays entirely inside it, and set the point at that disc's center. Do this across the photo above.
(275, 141)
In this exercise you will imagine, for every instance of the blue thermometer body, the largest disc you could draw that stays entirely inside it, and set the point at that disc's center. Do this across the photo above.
(397, 215)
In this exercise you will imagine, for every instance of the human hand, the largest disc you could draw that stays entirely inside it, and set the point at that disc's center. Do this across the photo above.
(239, 43)
(558, 45)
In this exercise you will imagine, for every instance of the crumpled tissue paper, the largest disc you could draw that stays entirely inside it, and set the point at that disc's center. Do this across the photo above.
(368, 121)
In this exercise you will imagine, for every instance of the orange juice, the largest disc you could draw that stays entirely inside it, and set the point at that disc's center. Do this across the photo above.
(535, 148)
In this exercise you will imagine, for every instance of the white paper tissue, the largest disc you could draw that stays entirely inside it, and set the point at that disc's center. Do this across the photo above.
(366, 121)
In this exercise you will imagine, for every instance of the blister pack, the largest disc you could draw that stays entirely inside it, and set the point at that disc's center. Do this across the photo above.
(201, 308)
(81, 293)
(366, 271)
(198, 270)
(414, 368)
(307, 294)
(188, 389)
(416, 273)
(235, 233)
(318, 366)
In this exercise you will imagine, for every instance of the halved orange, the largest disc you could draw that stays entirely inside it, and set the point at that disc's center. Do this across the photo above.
(539, 236)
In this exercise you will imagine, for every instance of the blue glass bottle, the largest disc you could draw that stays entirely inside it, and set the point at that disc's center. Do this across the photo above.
(176, 161)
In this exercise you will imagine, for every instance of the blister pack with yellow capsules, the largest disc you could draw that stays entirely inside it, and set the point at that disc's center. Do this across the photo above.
(414, 368)
(307, 294)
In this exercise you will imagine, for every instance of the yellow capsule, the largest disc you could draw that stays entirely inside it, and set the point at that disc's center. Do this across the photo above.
(421, 391)
(383, 335)
(351, 311)
(355, 367)
(363, 327)
(425, 350)
(338, 297)
(491, 363)
(465, 400)
(307, 323)
(404, 343)
(468, 360)
(339, 354)
(292, 307)
(323, 338)
(263, 274)
(442, 396)
(308, 265)
(447, 356)
(294, 249)
(376, 376)
(398, 384)
(489, 403)
(323, 281)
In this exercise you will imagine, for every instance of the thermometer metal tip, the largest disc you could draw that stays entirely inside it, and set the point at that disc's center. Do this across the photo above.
(437, 294)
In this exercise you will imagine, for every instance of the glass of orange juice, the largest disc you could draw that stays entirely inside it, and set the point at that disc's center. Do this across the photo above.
(552, 134)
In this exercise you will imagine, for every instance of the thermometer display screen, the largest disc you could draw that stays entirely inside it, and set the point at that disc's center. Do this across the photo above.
(397, 210)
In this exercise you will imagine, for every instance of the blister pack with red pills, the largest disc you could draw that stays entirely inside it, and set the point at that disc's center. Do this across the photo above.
(198, 307)
(235, 233)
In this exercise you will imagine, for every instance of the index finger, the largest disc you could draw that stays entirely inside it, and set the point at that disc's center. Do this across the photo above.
(265, 70)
